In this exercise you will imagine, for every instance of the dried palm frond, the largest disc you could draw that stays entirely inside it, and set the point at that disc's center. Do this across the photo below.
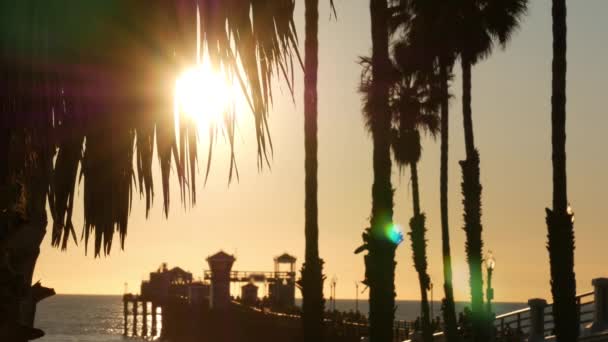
(253, 40)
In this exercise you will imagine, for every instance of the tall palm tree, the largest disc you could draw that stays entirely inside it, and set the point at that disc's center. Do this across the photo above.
(560, 220)
(415, 105)
(449, 309)
(313, 304)
(380, 239)
(83, 71)
(483, 22)
(430, 27)
(446, 55)
(446, 62)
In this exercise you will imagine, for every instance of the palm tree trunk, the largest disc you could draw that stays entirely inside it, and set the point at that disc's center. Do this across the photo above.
(427, 331)
(558, 107)
(417, 225)
(20, 245)
(312, 274)
(449, 309)
(415, 189)
(467, 112)
(27, 249)
(380, 261)
(26, 243)
(471, 190)
(559, 220)
(4, 150)
(8, 303)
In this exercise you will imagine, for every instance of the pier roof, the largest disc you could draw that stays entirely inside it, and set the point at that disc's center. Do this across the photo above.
(221, 256)
(179, 271)
(285, 258)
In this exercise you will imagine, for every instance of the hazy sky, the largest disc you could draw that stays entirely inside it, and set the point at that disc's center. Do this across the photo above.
(263, 215)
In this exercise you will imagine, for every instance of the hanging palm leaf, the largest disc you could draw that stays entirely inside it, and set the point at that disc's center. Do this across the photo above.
(96, 77)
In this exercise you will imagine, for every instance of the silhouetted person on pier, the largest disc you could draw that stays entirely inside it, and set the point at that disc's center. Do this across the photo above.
(417, 324)
(436, 325)
(464, 321)
(461, 319)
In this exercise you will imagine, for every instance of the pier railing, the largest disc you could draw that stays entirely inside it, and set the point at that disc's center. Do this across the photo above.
(536, 323)
(259, 276)
(520, 323)
(343, 330)
(403, 330)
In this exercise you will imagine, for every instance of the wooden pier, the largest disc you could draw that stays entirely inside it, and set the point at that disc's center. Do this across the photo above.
(237, 322)
(135, 301)
(206, 310)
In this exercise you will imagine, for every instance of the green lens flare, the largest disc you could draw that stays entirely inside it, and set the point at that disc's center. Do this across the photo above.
(394, 232)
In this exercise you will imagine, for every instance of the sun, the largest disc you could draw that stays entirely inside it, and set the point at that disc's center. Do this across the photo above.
(204, 95)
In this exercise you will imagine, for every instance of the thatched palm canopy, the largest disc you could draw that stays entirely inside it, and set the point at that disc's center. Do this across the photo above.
(84, 82)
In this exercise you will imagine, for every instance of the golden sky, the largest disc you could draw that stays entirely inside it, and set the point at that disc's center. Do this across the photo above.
(263, 215)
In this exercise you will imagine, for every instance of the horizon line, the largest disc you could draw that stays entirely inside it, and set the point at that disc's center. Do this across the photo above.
(362, 300)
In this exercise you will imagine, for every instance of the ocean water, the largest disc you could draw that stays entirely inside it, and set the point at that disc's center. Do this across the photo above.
(71, 318)
(80, 318)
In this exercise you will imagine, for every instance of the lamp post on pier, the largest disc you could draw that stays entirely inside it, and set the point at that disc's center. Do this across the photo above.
(357, 297)
(490, 264)
(334, 280)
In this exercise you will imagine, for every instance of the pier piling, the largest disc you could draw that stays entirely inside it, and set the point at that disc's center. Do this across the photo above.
(144, 331)
(537, 319)
(125, 313)
(135, 309)
(154, 310)
(600, 312)
(133, 330)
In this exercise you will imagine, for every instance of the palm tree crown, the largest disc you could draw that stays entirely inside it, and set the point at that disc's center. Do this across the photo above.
(483, 23)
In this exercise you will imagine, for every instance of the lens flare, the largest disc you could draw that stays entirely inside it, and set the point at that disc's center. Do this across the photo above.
(394, 232)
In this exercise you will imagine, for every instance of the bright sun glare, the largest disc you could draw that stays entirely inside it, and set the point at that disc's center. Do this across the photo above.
(204, 95)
